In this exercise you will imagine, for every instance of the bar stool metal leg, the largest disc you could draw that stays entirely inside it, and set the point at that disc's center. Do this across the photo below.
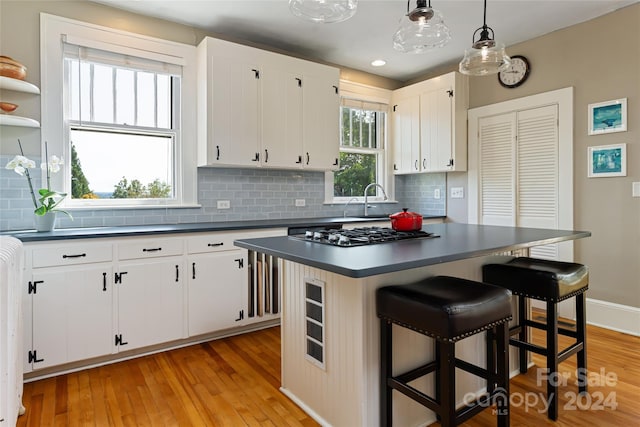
(502, 371)
(552, 360)
(581, 330)
(523, 335)
(386, 366)
(447, 385)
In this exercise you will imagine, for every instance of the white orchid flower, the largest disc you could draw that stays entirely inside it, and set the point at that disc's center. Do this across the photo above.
(54, 164)
(19, 164)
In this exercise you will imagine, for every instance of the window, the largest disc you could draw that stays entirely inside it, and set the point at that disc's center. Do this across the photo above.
(127, 119)
(117, 116)
(361, 151)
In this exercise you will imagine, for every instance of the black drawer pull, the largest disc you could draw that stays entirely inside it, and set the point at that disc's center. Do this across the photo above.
(74, 256)
(215, 245)
(104, 282)
(151, 250)
(177, 273)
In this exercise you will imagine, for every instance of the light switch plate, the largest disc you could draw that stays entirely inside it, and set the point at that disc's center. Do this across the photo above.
(635, 189)
(301, 202)
(223, 204)
(457, 192)
(436, 193)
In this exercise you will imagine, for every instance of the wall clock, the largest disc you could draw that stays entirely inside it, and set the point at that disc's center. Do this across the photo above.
(516, 73)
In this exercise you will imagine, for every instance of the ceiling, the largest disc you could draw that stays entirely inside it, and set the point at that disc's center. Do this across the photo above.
(367, 36)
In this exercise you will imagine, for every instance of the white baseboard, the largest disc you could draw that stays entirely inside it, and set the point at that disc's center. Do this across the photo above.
(313, 414)
(617, 317)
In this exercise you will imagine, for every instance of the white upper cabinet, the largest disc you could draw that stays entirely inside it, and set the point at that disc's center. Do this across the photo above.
(321, 110)
(429, 121)
(258, 108)
(228, 110)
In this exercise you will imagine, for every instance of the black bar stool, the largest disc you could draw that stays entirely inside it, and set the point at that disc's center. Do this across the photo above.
(552, 282)
(447, 309)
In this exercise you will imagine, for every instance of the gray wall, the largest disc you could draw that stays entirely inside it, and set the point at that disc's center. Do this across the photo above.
(601, 60)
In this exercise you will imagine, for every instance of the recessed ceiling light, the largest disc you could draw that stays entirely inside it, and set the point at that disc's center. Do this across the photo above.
(378, 62)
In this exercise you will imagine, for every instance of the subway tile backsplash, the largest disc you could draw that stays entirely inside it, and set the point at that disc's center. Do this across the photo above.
(254, 194)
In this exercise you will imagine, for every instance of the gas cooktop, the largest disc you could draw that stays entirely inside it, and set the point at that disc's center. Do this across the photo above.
(360, 236)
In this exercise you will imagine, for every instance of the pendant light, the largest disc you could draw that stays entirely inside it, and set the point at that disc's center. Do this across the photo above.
(323, 11)
(485, 56)
(421, 30)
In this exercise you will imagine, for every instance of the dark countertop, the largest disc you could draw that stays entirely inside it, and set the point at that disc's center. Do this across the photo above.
(456, 242)
(143, 230)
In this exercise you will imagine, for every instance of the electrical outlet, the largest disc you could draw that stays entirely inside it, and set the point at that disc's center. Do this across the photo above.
(457, 192)
(301, 203)
(224, 204)
(436, 193)
(635, 189)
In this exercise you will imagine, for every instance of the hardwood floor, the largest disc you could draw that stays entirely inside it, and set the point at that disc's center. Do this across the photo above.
(234, 382)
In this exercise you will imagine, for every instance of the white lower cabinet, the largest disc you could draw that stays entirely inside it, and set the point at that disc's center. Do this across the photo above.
(216, 282)
(71, 314)
(150, 301)
(99, 297)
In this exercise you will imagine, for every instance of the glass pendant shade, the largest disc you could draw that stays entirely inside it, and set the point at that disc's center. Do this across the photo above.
(485, 56)
(484, 60)
(421, 30)
(323, 11)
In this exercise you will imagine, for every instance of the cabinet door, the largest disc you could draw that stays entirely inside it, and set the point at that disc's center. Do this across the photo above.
(233, 134)
(72, 312)
(216, 285)
(150, 297)
(281, 117)
(321, 109)
(406, 135)
(436, 121)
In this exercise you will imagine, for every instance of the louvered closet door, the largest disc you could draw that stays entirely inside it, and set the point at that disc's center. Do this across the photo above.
(537, 173)
(497, 169)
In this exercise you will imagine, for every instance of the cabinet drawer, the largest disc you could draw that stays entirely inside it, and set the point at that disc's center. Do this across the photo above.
(211, 242)
(136, 249)
(54, 256)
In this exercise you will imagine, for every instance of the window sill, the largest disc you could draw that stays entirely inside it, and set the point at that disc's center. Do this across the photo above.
(130, 207)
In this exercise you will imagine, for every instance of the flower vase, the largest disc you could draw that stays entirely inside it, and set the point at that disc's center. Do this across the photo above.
(46, 222)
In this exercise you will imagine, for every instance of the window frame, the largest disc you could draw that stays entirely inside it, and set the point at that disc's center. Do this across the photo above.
(55, 127)
(366, 93)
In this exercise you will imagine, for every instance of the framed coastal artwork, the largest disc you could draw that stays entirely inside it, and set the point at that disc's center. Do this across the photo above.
(608, 116)
(607, 160)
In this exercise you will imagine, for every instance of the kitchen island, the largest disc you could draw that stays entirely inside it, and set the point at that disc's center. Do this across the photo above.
(330, 331)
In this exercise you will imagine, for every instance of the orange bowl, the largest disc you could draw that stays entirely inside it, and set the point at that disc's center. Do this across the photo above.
(12, 68)
(8, 107)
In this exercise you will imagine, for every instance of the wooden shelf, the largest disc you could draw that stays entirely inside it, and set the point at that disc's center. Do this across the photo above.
(6, 120)
(18, 85)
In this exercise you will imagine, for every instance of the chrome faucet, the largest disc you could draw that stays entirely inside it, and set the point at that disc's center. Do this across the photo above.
(346, 205)
(366, 190)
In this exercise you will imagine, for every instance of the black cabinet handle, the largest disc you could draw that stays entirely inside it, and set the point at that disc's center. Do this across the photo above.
(450, 162)
(335, 88)
(217, 152)
(395, 167)
(177, 273)
(151, 249)
(308, 157)
(266, 155)
(416, 164)
(424, 163)
(118, 278)
(104, 282)
(299, 160)
(299, 82)
(74, 256)
(193, 270)
(335, 163)
(256, 73)
(256, 158)
(215, 245)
